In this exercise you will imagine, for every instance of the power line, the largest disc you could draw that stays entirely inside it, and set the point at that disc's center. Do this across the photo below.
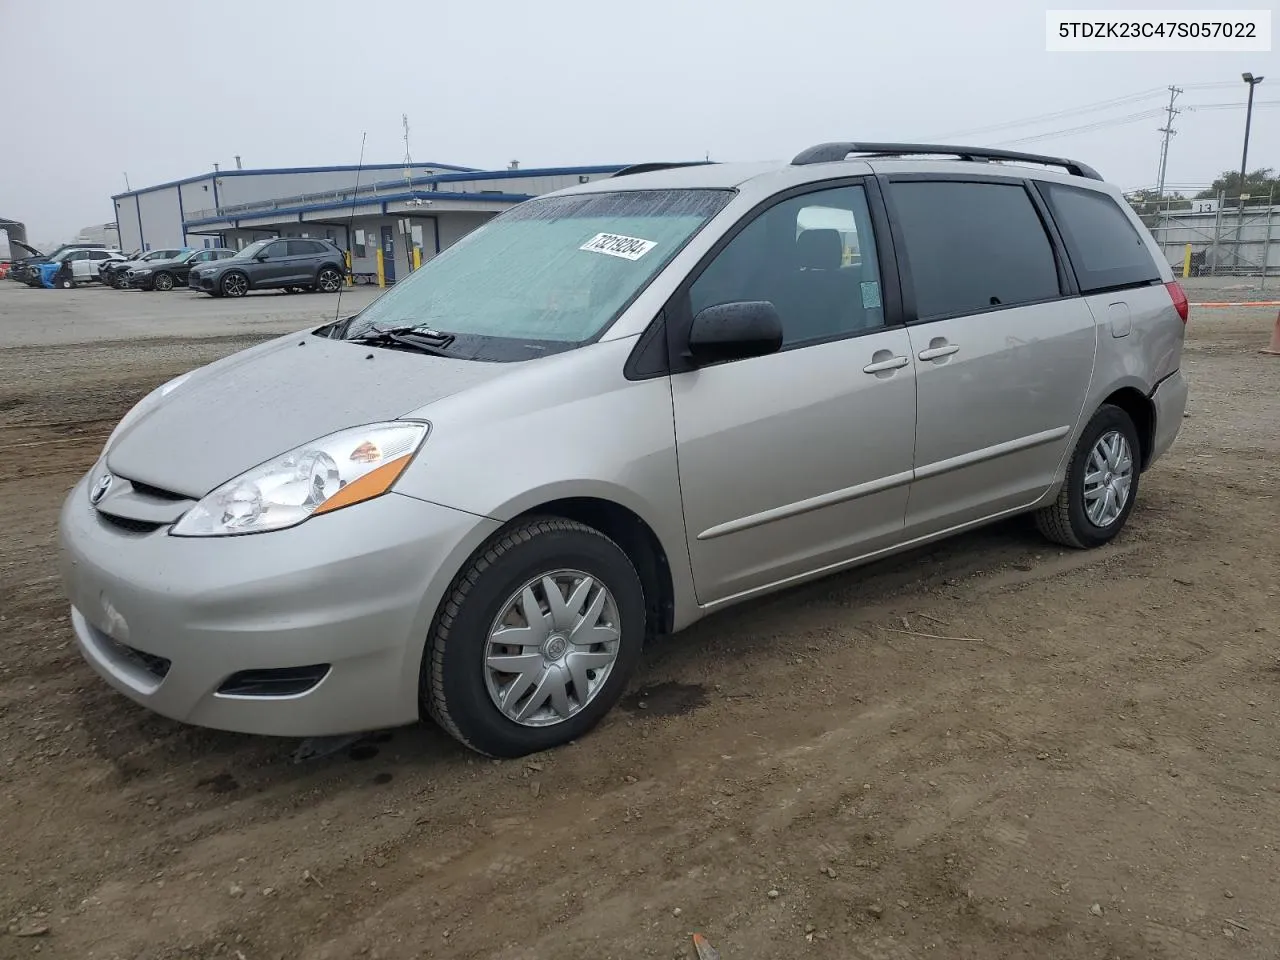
(1083, 128)
(1056, 115)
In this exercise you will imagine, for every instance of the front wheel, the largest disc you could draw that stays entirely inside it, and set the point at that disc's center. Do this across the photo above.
(1101, 485)
(535, 640)
(162, 281)
(235, 285)
(329, 280)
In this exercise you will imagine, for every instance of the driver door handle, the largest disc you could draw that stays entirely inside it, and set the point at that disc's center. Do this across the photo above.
(893, 363)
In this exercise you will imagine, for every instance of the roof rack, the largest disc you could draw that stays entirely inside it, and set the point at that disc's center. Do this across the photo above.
(832, 152)
(648, 167)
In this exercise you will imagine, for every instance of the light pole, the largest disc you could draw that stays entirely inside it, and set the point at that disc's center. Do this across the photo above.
(1252, 81)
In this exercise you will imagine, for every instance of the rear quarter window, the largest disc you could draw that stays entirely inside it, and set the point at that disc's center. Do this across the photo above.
(1106, 250)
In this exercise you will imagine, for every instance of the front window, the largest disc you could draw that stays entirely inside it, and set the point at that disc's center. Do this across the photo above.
(253, 249)
(546, 275)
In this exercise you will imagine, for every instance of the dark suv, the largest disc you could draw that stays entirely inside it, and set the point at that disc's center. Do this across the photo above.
(167, 274)
(286, 263)
(116, 272)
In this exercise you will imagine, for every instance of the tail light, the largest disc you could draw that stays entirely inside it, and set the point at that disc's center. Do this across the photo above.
(1179, 297)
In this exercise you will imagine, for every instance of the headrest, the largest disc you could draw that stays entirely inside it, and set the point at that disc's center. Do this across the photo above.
(820, 249)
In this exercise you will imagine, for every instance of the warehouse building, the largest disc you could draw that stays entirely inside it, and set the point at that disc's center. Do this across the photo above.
(409, 213)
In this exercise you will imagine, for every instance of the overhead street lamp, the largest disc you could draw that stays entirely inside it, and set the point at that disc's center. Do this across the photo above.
(1252, 81)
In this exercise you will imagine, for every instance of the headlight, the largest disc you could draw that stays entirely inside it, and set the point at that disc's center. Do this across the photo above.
(140, 271)
(336, 471)
(142, 406)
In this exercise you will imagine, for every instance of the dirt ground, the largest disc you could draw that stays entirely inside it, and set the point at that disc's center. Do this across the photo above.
(987, 749)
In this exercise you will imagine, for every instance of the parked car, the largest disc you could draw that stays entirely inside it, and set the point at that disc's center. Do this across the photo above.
(117, 274)
(25, 262)
(610, 411)
(292, 264)
(167, 274)
(86, 264)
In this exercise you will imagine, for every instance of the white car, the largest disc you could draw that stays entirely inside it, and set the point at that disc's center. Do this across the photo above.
(85, 262)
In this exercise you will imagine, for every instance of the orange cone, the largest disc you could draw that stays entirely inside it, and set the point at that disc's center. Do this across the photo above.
(1274, 347)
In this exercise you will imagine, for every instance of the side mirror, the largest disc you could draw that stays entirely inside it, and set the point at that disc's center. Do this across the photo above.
(735, 331)
(261, 258)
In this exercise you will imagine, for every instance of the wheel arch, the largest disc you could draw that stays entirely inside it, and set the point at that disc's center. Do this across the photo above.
(1143, 414)
(634, 536)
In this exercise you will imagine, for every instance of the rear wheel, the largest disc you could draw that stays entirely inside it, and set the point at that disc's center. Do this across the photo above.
(536, 639)
(162, 281)
(234, 284)
(329, 280)
(1101, 484)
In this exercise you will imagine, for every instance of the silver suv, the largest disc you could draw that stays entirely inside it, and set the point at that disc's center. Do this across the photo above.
(610, 411)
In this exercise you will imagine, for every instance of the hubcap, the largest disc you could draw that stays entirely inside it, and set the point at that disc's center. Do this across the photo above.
(551, 648)
(329, 281)
(163, 281)
(1108, 479)
(235, 285)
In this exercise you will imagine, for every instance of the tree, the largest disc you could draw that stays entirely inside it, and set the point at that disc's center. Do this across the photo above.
(1147, 204)
(1259, 185)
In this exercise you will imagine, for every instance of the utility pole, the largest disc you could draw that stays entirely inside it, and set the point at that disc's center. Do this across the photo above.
(408, 160)
(1168, 132)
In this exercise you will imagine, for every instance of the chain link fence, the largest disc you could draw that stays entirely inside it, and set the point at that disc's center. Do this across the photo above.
(1222, 238)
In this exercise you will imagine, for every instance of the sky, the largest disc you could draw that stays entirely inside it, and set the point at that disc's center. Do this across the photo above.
(163, 90)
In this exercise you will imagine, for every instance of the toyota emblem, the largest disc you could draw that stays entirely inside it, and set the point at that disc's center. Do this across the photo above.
(100, 488)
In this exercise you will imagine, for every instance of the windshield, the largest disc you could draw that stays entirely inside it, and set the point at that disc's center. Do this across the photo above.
(252, 250)
(552, 271)
(187, 256)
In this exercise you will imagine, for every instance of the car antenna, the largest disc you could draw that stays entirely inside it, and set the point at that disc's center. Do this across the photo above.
(355, 197)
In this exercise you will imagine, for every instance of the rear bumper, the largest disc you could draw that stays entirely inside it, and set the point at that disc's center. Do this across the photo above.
(1170, 402)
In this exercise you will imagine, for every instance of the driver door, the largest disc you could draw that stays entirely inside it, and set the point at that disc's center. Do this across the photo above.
(799, 461)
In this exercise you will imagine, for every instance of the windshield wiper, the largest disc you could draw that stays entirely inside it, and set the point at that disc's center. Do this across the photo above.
(414, 337)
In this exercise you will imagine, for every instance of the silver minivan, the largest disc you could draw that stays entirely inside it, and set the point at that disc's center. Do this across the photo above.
(610, 411)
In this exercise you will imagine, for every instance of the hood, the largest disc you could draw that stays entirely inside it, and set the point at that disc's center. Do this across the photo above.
(31, 251)
(148, 264)
(258, 404)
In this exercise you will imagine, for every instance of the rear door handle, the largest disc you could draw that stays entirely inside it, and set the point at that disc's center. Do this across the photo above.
(934, 353)
(893, 363)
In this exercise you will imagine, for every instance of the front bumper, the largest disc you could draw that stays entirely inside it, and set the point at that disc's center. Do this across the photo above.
(167, 620)
(1170, 402)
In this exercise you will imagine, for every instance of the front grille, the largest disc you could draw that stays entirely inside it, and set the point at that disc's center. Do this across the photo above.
(282, 682)
(129, 525)
(157, 667)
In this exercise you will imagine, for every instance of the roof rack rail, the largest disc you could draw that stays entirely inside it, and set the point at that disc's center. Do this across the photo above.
(648, 167)
(832, 152)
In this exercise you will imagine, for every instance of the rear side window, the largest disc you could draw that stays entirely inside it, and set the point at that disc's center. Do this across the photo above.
(1106, 250)
(304, 248)
(973, 246)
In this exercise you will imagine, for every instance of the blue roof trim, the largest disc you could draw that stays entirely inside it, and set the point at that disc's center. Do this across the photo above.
(269, 171)
(380, 202)
(531, 172)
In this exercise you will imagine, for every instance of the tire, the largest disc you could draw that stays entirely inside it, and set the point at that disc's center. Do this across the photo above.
(459, 691)
(117, 282)
(234, 284)
(1067, 520)
(162, 282)
(329, 280)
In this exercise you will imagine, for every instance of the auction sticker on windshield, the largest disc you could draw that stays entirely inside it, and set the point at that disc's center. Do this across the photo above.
(616, 245)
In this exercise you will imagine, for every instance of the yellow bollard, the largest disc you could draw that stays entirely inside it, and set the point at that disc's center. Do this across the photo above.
(1186, 263)
(417, 257)
(346, 259)
(382, 269)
